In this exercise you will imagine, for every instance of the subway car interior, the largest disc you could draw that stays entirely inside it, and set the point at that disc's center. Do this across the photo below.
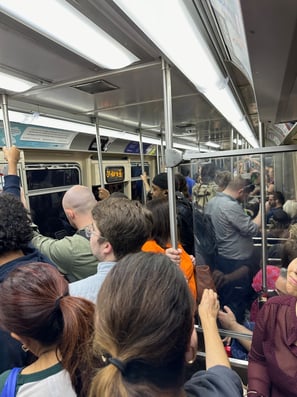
(146, 87)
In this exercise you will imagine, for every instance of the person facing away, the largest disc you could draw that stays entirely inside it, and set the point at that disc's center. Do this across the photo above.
(234, 230)
(145, 334)
(37, 310)
(273, 355)
(119, 227)
(15, 250)
(159, 240)
(183, 210)
(72, 254)
(206, 188)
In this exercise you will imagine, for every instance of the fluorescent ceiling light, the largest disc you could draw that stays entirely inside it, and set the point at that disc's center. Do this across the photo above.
(180, 39)
(62, 23)
(212, 144)
(15, 84)
(48, 122)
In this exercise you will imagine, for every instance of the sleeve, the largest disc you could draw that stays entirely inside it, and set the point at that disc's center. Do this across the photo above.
(59, 252)
(258, 378)
(218, 381)
(12, 185)
(3, 378)
(241, 221)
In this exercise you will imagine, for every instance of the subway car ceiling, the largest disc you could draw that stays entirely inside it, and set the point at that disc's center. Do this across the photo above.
(251, 44)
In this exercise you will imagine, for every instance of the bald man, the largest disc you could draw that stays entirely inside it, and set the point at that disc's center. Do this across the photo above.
(72, 254)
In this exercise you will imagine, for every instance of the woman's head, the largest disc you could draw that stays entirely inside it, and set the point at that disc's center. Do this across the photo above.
(35, 305)
(161, 225)
(145, 320)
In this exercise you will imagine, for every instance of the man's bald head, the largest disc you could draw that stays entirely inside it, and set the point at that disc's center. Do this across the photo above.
(79, 199)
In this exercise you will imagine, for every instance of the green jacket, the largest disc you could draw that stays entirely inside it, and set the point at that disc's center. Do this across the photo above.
(71, 254)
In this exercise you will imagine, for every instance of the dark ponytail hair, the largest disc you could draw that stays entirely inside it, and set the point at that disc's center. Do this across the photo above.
(144, 322)
(35, 303)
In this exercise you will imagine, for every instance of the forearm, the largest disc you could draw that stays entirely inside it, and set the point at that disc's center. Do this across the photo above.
(238, 328)
(214, 348)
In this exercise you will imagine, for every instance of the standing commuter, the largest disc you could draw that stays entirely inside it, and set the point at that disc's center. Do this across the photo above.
(72, 254)
(35, 307)
(15, 251)
(119, 227)
(145, 334)
(234, 231)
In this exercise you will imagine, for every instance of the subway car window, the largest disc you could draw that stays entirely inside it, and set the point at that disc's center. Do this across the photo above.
(47, 185)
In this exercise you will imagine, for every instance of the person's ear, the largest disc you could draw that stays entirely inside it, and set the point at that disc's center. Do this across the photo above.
(69, 213)
(191, 353)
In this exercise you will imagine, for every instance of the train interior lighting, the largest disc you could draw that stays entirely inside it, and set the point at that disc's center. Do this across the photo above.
(82, 36)
(12, 83)
(49, 122)
(182, 41)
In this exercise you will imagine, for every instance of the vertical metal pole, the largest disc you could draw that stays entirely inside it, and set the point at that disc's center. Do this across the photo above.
(6, 124)
(169, 145)
(263, 213)
(162, 152)
(142, 162)
(158, 160)
(99, 152)
(231, 147)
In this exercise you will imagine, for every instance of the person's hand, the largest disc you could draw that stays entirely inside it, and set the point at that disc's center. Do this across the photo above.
(219, 279)
(11, 154)
(143, 177)
(174, 255)
(227, 318)
(209, 305)
(193, 259)
(103, 193)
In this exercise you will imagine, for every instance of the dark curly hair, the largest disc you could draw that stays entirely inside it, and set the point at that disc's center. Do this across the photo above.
(15, 229)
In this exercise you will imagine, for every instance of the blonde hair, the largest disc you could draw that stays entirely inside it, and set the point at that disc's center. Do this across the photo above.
(290, 207)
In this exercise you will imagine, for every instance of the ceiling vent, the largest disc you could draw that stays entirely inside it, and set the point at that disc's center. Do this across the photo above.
(96, 87)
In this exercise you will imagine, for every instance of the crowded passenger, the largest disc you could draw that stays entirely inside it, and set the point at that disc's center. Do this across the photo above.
(185, 171)
(273, 359)
(234, 230)
(290, 207)
(72, 254)
(11, 179)
(274, 207)
(15, 250)
(119, 227)
(39, 313)
(276, 285)
(159, 241)
(145, 334)
(183, 210)
(206, 188)
(222, 179)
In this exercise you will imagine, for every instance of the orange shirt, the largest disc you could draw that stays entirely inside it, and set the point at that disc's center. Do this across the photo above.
(186, 265)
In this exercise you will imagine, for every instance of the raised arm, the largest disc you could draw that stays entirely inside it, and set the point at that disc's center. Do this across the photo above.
(208, 312)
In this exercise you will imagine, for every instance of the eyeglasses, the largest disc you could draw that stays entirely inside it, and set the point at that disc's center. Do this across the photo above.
(89, 230)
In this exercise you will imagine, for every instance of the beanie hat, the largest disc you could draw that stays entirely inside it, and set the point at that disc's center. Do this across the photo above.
(273, 273)
(160, 180)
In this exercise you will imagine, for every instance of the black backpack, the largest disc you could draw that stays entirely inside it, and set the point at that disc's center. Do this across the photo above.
(185, 222)
(205, 237)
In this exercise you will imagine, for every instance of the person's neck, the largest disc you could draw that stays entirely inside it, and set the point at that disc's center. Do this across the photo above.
(230, 193)
(45, 360)
(10, 256)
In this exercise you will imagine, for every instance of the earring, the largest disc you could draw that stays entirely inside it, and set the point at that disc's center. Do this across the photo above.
(194, 357)
(25, 348)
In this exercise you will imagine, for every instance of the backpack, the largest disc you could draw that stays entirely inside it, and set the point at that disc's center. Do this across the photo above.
(203, 192)
(184, 213)
(205, 237)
